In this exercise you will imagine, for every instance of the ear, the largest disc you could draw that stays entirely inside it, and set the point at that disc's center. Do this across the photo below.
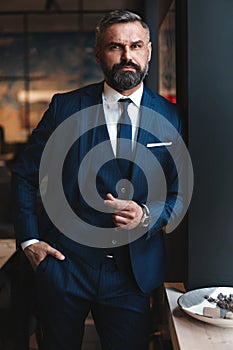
(97, 54)
(149, 51)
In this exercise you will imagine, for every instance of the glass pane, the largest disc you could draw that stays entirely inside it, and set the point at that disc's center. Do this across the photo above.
(11, 55)
(12, 112)
(63, 57)
(39, 56)
(167, 55)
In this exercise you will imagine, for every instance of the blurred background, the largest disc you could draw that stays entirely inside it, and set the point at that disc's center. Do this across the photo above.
(47, 46)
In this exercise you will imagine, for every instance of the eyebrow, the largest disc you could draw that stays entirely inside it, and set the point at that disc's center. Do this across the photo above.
(120, 44)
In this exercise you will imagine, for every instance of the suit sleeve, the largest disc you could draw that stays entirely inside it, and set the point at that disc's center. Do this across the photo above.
(171, 211)
(25, 179)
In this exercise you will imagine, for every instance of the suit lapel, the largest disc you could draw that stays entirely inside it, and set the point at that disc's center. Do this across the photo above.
(147, 112)
(147, 123)
(92, 102)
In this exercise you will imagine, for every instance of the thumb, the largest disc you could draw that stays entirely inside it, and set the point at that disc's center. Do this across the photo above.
(110, 197)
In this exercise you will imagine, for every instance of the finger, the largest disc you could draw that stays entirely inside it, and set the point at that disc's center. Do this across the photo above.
(124, 214)
(55, 253)
(120, 220)
(118, 204)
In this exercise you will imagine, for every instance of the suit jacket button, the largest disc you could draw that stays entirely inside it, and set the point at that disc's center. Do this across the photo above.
(114, 241)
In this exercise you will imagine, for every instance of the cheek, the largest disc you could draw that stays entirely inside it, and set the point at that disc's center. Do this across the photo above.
(145, 59)
(110, 60)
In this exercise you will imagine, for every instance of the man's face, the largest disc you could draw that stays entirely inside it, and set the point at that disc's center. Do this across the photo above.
(123, 54)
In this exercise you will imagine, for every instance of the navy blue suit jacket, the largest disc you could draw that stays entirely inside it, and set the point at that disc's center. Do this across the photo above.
(147, 251)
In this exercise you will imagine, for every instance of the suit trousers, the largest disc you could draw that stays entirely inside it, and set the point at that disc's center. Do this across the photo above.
(68, 290)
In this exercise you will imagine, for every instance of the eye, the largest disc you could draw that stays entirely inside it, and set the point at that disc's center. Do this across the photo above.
(137, 46)
(114, 47)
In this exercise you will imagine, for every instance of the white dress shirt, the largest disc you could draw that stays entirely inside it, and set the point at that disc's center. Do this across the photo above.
(113, 110)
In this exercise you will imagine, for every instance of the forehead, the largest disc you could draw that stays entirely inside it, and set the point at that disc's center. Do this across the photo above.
(125, 33)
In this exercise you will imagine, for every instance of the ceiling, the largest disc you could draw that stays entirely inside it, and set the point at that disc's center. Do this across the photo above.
(67, 5)
(57, 15)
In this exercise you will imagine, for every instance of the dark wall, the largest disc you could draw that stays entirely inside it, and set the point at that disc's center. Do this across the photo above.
(210, 124)
(151, 17)
(175, 242)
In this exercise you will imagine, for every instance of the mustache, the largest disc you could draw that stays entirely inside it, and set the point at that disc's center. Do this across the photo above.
(125, 63)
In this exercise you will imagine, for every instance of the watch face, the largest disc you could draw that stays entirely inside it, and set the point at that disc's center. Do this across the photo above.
(145, 218)
(146, 222)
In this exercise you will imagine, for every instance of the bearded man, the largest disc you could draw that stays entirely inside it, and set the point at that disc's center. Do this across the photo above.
(110, 258)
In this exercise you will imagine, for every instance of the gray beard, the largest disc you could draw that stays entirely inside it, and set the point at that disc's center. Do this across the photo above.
(124, 80)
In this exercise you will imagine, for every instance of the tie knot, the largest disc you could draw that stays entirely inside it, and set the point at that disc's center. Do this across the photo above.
(125, 101)
(125, 104)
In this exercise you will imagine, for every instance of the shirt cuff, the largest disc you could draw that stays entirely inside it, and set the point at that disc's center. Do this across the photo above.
(27, 243)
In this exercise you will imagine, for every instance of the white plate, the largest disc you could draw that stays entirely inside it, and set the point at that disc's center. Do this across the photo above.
(194, 301)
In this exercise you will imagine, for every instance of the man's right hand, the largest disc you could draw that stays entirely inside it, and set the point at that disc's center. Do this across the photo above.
(37, 252)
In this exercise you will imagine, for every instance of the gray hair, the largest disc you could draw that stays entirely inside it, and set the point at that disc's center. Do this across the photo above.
(117, 16)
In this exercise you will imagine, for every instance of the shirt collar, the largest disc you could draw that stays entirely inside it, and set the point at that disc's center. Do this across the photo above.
(111, 96)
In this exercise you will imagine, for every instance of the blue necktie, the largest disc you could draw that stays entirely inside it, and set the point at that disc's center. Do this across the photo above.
(124, 133)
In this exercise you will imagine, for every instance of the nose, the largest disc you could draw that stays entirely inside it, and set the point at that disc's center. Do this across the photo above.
(126, 53)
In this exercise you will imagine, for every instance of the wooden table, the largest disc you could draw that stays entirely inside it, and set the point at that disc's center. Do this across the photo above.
(188, 333)
(7, 248)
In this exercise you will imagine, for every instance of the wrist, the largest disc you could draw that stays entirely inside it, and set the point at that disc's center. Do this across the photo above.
(27, 243)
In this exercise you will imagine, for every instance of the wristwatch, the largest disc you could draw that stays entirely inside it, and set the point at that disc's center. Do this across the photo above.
(145, 220)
